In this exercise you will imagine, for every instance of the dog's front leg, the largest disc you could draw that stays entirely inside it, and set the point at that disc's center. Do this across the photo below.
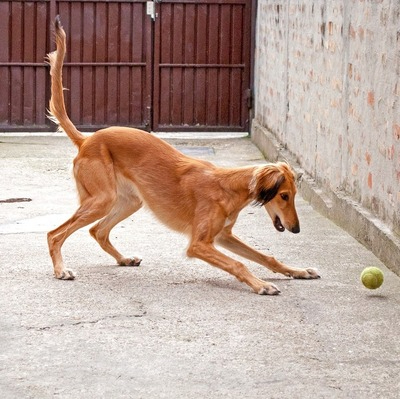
(227, 240)
(207, 252)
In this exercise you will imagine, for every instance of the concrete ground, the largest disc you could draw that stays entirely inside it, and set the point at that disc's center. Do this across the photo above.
(174, 327)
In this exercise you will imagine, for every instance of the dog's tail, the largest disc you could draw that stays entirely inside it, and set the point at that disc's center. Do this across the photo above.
(57, 111)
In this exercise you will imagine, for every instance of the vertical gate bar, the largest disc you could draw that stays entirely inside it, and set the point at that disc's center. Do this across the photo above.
(176, 73)
(87, 54)
(125, 55)
(156, 66)
(5, 74)
(151, 75)
(201, 58)
(188, 73)
(253, 30)
(74, 50)
(247, 52)
(113, 71)
(236, 82)
(99, 86)
(213, 51)
(16, 75)
(164, 50)
(41, 78)
(52, 15)
(137, 75)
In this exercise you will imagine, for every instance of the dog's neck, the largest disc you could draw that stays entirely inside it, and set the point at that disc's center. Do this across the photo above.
(240, 180)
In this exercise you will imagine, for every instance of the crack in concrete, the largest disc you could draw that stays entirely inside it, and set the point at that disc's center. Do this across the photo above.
(86, 322)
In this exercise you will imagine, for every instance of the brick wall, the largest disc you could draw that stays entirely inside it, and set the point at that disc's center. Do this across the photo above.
(327, 86)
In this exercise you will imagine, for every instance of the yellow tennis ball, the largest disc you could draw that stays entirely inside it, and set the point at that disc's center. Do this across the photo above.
(372, 277)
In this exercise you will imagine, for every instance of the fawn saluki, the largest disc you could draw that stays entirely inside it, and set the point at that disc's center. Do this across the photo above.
(119, 169)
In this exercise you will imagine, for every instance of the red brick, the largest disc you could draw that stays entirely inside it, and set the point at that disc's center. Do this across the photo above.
(352, 32)
(350, 70)
(396, 131)
(371, 98)
(361, 33)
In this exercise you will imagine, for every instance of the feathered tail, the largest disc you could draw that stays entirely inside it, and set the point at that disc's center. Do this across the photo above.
(58, 113)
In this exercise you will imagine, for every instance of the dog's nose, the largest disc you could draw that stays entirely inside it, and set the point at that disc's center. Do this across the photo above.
(296, 229)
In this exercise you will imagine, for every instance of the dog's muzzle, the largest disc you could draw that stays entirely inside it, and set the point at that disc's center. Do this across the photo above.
(281, 228)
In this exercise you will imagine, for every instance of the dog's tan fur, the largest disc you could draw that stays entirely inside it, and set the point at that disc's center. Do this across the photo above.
(119, 169)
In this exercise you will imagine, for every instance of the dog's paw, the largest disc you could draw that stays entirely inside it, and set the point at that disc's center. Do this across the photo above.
(130, 262)
(306, 274)
(66, 274)
(270, 289)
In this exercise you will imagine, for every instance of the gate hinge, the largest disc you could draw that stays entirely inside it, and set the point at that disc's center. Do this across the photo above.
(151, 10)
(249, 98)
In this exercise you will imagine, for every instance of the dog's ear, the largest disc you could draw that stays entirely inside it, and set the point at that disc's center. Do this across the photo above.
(267, 184)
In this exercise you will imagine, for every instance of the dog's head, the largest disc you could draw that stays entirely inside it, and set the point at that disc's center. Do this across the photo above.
(274, 187)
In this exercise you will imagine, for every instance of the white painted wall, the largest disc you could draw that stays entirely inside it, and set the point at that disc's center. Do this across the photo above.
(327, 86)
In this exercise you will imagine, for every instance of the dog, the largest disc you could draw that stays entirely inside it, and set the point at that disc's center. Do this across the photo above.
(119, 169)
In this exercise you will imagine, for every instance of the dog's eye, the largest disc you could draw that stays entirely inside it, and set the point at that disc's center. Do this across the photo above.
(285, 197)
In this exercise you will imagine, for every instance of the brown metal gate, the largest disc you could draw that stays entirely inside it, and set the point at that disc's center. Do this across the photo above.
(23, 80)
(108, 65)
(186, 67)
(202, 65)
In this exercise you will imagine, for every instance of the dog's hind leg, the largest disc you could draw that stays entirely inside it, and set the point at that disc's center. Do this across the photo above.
(90, 211)
(96, 186)
(123, 207)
